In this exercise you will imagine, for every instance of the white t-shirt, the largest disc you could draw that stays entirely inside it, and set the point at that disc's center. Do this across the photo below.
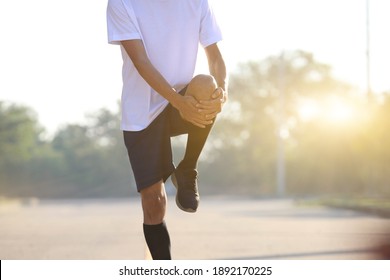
(171, 31)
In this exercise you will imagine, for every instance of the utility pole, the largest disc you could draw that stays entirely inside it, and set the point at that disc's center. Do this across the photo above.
(368, 62)
(280, 168)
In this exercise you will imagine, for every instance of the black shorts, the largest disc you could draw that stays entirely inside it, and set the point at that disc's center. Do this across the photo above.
(150, 150)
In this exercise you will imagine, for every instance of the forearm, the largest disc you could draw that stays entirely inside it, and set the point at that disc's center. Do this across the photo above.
(148, 72)
(217, 66)
(153, 77)
(218, 71)
(186, 105)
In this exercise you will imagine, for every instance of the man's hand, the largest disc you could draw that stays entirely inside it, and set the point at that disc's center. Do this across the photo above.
(187, 107)
(212, 107)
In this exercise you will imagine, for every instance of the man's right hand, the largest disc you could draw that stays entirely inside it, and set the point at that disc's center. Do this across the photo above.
(186, 105)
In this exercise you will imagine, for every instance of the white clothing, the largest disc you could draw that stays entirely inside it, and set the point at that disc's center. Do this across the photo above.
(171, 31)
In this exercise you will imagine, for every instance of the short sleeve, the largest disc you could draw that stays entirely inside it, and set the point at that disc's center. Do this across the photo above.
(210, 32)
(119, 24)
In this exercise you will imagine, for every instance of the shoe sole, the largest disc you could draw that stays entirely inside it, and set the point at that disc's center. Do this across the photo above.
(174, 181)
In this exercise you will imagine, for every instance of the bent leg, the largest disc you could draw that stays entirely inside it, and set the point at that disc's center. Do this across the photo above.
(201, 87)
(185, 175)
(196, 141)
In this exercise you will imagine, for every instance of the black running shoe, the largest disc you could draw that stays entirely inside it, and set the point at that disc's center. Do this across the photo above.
(187, 195)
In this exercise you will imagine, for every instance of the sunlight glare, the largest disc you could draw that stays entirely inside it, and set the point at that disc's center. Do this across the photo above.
(333, 109)
(339, 111)
(308, 110)
(284, 132)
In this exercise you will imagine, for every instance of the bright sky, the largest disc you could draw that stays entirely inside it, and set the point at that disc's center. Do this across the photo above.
(55, 58)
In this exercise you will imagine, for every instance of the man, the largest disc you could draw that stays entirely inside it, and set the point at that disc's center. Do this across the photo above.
(159, 41)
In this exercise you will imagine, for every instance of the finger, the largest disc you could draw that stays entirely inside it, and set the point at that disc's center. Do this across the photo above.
(211, 109)
(208, 112)
(217, 93)
(210, 117)
(204, 121)
(207, 104)
(191, 101)
(198, 125)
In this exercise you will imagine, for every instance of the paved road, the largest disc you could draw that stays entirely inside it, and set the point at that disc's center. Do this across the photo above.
(223, 228)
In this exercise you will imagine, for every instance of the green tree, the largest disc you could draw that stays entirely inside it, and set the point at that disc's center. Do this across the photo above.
(19, 134)
(267, 98)
(263, 100)
(95, 160)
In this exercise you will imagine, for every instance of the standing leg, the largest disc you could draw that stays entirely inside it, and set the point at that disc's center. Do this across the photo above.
(150, 156)
(155, 230)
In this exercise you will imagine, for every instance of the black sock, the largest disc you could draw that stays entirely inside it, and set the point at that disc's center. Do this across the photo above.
(195, 142)
(159, 243)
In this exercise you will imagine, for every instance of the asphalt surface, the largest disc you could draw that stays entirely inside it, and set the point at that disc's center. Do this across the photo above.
(223, 228)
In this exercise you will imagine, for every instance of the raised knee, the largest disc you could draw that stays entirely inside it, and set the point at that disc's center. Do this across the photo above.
(202, 87)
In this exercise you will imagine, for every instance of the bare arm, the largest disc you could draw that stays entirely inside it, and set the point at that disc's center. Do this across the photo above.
(217, 69)
(216, 65)
(185, 104)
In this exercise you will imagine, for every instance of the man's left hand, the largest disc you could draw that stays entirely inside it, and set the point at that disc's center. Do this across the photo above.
(212, 107)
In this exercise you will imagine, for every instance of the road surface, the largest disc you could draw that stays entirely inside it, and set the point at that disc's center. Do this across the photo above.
(223, 228)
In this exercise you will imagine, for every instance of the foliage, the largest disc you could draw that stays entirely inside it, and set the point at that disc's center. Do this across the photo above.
(80, 160)
(334, 140)
(19, 134)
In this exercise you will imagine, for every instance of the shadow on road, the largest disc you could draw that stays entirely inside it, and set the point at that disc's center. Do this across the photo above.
(313, 255)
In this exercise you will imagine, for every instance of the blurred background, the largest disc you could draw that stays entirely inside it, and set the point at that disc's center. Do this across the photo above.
(309, 110)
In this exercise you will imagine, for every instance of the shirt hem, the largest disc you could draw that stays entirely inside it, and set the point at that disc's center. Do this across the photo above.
(116, 39)
(140, 127)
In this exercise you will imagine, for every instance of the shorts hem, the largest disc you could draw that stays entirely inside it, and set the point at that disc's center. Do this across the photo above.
(147, 183)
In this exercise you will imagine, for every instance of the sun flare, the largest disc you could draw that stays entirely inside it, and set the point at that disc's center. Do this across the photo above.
(339, 111)
(331, 109)
(308, 110)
